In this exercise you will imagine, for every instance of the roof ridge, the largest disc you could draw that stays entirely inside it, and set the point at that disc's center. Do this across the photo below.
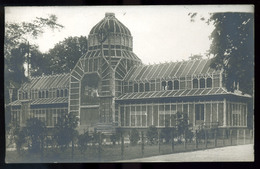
(49, 75)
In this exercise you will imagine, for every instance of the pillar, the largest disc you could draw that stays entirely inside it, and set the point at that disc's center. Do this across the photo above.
(225, 113)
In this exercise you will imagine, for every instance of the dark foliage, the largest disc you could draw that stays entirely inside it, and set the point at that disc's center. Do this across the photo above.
(134, 137)
(64, 56)
(66, 130)
(36, 132)
(16, 48)
(83, 141)
(233, 48)
(152, 135)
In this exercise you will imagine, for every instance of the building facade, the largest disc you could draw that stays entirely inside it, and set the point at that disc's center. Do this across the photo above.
(110, 87)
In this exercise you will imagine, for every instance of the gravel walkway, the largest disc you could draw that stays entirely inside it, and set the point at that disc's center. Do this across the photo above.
(231, 153)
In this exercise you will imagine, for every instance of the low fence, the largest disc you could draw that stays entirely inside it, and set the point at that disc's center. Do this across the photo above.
(123, 150)
(203, 139)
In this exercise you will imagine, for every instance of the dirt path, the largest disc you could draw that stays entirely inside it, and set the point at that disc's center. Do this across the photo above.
(231, 153)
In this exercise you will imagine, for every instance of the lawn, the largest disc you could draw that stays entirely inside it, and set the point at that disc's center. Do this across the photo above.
(110, 153)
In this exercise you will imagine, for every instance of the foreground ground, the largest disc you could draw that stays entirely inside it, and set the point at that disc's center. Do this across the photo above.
(230, 153)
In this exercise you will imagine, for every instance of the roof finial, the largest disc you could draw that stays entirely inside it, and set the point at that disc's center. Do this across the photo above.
(109, 14)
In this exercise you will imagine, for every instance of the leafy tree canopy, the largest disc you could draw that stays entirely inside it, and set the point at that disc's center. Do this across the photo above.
(36, 131)
(64, 56)
(17, 33)
(134, 137)
(233, 48)
(66, 129)
(152, 135)
(16, 47)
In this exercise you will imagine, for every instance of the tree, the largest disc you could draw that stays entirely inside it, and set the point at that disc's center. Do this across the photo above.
(14, 69)
(97, 137)
(182, 125)
(166, 134)
(66, 129)
(134, 137)
(36, 132)
(17, 136)
(152, 135)
(64, 56)
(83, 141)
(20, 139)
(16, 47)
(17, 33)
(39, 62)
(233, 48)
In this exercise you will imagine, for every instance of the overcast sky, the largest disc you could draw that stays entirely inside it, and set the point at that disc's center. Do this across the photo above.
(160, 33)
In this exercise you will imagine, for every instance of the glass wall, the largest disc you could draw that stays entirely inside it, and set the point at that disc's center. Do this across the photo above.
(199, 113)
(49, 116)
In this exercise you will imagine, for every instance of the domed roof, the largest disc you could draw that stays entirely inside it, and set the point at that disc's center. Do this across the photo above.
(111, 24)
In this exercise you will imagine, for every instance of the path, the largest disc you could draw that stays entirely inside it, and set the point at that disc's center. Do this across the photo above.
(230, 153)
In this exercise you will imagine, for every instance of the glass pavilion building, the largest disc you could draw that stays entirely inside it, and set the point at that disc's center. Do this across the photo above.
(110, 87)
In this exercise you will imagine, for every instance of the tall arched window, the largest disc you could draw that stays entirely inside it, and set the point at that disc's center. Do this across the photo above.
(169, 85)
(176, 85)
(164, 85)
(202, 83)
(61, 93)
(47, 94)
(209, 82)
(147, 87)
(141, 87)
(43, 94)
(58, 93)
(66, 92)
(135, 87)
(195, 83)
(40, 94)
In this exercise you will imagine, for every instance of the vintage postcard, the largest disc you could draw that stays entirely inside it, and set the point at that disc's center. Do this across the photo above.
(129, 83)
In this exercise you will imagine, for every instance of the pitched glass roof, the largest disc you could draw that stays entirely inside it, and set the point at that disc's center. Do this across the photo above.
(43, 101)
(168, 70)
(47, 82)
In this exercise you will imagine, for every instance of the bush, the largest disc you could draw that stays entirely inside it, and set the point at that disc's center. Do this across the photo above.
(152, 135)
(19, 139)
(36, 131)
(83, 141)
(66, 130)
(115, 137)
(166, 134)
(134, 137)
(97, 137)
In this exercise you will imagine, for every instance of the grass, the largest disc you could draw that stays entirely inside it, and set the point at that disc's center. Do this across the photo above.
(112, 152)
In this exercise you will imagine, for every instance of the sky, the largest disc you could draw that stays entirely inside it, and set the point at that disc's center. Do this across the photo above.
(160, 33)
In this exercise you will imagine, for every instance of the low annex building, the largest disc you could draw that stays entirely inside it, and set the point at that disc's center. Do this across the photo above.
(110, 87)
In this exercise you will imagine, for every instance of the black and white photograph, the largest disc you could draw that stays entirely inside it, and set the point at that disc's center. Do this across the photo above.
(121, 84)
